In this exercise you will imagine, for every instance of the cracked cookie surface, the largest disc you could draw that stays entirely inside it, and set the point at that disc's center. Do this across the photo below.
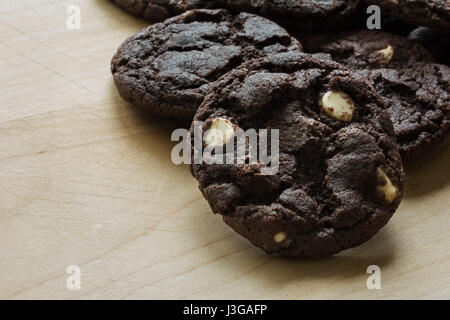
(415, 88)
(310, 14)
(418, 100)
(160, 10)
(306, 14)
(169, 67)
(362, 49)
(339, 178)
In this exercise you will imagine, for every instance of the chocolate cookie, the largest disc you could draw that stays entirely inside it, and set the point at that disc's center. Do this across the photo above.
(418, 100)
(305, 14)
(169, 67)
(402, 70)
(313, 39)
(338, 176)
(431, 13)
(159, 10)
(371, 49)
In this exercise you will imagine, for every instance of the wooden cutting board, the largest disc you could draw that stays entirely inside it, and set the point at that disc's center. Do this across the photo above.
(87, 180)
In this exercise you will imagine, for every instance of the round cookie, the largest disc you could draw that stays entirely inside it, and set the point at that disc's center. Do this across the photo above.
(338, 178)
(431, 13)
(402, 70)
(305, 14)
(169, 67)
(159, 10)
(418, 100)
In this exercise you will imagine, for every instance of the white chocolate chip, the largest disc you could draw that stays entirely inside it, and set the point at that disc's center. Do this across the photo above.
(338, 105)
(280, 237)
(220, 132)
(387, 53)
(385, 185)
(187, 13)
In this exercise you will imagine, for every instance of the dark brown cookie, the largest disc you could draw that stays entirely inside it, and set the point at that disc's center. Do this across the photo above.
(305, 14)
(416, 89)
(370, 49)
(340, 176)
(310, 14)
(431, 13)
(418, 100)
(169, 67)
(159, 10)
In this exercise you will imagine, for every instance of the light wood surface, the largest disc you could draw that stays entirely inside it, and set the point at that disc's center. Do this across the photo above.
(87, 180)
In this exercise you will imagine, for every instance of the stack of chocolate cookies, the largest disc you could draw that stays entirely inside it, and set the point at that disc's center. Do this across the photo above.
(349, 105)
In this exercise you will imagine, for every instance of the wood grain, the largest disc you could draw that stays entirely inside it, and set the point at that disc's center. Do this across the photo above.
(85, 179)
